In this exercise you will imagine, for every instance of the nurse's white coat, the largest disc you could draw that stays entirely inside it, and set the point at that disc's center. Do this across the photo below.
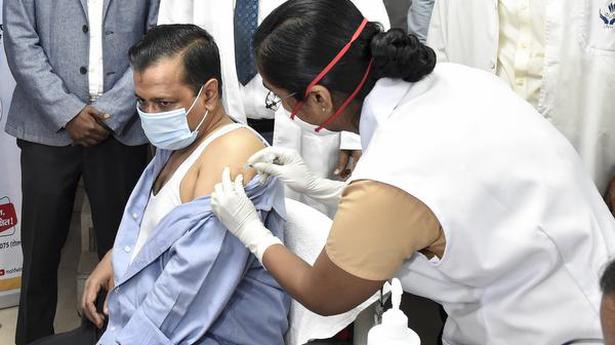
(527, 231)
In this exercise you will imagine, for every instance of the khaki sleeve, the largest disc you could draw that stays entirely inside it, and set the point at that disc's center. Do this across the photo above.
(376, 228)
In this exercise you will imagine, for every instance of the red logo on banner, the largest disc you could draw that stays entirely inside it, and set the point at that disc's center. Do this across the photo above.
(8, 217)
(2, 272)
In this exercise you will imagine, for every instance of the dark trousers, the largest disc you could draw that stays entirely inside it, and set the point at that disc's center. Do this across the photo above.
(49, 182)
(86, 334)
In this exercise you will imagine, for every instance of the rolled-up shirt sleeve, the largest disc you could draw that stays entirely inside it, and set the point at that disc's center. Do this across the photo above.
(377, 227)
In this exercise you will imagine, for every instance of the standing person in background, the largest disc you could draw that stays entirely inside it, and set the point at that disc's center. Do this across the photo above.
(397, 10)
(558, 55)
(232, 24)
(607, 306)
(411, 15)
(73, 114)
(419, 16)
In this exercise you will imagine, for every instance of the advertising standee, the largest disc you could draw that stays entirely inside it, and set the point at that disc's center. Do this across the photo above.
(10, 193)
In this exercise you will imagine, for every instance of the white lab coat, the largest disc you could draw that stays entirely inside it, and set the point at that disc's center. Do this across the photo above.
(579, 73)
(216, 16)
(527, 233)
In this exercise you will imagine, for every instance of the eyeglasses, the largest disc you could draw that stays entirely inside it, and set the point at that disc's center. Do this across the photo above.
(273, 101)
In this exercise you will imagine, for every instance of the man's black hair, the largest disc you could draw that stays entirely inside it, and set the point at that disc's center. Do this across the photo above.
(201, 58)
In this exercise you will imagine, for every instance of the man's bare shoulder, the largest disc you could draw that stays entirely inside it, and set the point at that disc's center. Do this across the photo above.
(242, 141)
(230, 150)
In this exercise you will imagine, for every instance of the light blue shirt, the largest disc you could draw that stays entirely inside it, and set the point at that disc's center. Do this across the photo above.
(193, 282)
(419, 18)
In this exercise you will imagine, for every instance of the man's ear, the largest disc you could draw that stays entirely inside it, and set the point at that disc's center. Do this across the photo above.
(211, 93)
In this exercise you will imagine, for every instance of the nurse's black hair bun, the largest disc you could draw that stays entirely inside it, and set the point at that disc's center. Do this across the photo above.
(399, 55)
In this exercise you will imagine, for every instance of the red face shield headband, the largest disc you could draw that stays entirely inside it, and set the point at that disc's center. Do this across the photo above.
(327, 69)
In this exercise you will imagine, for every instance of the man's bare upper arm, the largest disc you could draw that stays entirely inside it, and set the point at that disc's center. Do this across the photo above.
(231, 150)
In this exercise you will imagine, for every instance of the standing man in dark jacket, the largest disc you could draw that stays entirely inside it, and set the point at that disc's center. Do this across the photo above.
(73, 113)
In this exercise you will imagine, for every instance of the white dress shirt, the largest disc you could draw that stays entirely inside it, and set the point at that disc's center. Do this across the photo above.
(578, 79)
(96, 80)
(521, 51)
(253, 94)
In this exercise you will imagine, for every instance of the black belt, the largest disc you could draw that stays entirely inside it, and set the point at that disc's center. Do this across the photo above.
(262, 125)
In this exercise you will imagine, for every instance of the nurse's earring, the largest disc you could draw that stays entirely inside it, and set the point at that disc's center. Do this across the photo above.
(324, 110)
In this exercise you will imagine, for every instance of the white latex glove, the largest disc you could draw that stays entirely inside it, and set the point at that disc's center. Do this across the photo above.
(236, 211)
(288, 166)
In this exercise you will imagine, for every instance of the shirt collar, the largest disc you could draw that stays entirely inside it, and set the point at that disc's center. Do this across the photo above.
(378, 106)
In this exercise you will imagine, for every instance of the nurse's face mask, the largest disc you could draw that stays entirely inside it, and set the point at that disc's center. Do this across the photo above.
(321, 129)
(169, 130)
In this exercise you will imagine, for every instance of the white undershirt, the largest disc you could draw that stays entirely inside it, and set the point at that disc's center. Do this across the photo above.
(95, 67)
(169, 197)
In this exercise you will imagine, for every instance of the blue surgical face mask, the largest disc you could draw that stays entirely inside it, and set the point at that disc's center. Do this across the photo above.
(169, 130)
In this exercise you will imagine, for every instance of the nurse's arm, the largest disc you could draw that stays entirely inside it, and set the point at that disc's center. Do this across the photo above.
(377, 227)
(323, 288)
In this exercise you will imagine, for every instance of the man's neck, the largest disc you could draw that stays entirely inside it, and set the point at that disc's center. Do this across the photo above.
(215, 119)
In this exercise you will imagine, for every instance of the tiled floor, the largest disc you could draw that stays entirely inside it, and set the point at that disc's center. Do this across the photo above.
(7, 329)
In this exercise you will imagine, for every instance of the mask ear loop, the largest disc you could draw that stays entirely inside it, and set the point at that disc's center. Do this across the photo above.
(202, 120)
(196, 99)
(329, 67)
(346, 103)
(196, 130)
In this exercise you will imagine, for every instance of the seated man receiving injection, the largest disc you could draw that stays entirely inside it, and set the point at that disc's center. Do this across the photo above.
(175, 274)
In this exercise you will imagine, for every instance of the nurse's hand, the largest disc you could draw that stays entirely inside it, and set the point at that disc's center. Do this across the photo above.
(237, 213)
(288, 166)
